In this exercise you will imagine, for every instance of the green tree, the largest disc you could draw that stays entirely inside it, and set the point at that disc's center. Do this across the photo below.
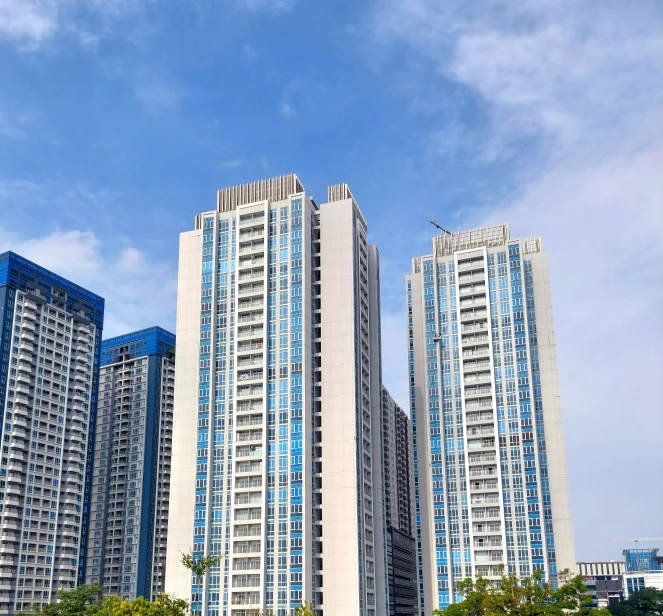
(199, 565)
(305, 609)
(641, 602)
(164, 605)
(81, 601)
(532, 596)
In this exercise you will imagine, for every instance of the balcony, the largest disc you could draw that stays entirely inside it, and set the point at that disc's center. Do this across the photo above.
(254, 391)
(246, 581)
(479, 390)
(252, 247)
(480, 377)
(479, 404)
(246, 547)
(483, 557)
(253, 420)
(486, 443)
(251, 261)
(474, 301)
(251, 375)
(251, 317)
(480, 352)
(470, 265)
(251, 332)
(483, 471)
(257, 274)
(252, 435)
(470, 277)
(249, 451)
(473, 418)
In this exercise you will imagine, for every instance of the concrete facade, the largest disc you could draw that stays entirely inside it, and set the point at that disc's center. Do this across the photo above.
(490, 472)
(604, 581)
(398, 466)
(49, 369)
(277, 407)
(131, 478)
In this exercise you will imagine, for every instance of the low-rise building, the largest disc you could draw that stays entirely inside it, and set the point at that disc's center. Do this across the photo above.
(605, 581)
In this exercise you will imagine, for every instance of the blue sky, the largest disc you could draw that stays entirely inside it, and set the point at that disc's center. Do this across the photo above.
(119, 119)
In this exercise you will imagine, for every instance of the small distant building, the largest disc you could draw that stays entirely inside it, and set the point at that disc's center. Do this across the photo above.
(644, 569)
(605, 582)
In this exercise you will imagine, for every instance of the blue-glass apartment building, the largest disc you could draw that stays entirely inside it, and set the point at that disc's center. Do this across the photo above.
(49, 367)
(126, 551)
(490, 475)
(276, 463)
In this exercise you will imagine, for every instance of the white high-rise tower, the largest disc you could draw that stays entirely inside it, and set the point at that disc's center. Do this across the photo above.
(277, 413)
(490, 472)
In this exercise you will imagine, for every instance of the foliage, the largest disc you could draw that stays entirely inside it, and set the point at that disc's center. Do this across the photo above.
(163, 606)
(88, 601)
(81, 601)
(529, 597)
(305, 609)
(199, 565)
(641, 602)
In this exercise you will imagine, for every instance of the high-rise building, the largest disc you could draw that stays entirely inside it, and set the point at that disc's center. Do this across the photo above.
(490, 471)
(49, 368)
(402, 573)
(126, 551)
(398, 466)
(276, 465)
(398, 477)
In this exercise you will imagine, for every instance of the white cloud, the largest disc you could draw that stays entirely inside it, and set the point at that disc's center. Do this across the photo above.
(31, 23)
(286, 110)
(138, 292)
(582, 85)
(231, 163)
(275, 6)
(28, 22)
(158, 95)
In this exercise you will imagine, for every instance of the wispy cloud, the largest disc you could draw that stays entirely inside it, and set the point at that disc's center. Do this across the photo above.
(574, 94)
(13, 126)
(158, 95)
(274, 6)
(31, 23)
(231, 163)
(286, 110)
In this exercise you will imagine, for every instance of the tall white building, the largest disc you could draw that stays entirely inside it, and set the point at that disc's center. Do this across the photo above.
(49, 366)
(129, 495)
(276, 464)
(490, 471)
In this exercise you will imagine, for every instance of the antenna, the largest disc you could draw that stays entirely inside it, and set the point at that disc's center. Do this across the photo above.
(432, 222)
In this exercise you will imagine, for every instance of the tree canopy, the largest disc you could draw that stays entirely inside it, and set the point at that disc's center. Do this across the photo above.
(532, 596)
(88, 601)
(641, 602)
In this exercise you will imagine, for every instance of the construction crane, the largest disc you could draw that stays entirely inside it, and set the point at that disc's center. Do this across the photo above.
(636, 539)
(432, 222)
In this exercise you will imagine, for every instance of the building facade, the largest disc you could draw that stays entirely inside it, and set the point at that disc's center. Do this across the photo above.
(276, 465)
(604, 581)
(402, 573)
(398, 466)
(490, 472)
(644, 569)
(49, 368)
(399, 508)
(126, 548)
